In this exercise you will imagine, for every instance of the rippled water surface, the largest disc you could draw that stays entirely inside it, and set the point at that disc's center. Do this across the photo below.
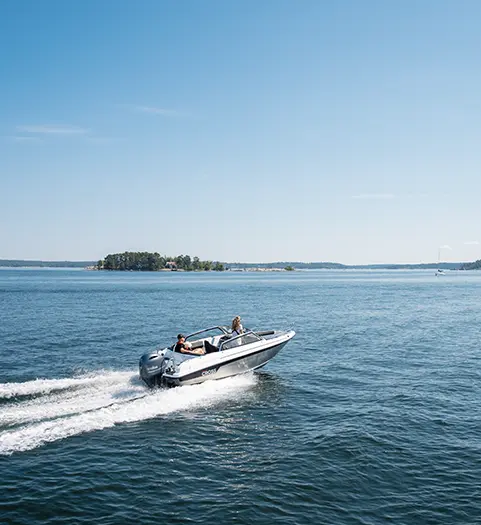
(370, 415)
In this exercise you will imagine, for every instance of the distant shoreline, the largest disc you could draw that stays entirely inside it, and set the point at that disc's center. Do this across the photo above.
(246, 267)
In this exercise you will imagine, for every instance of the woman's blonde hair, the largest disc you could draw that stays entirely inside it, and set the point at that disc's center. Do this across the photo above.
(236, 322)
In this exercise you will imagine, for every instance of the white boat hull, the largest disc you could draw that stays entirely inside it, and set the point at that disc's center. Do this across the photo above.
(168, 368)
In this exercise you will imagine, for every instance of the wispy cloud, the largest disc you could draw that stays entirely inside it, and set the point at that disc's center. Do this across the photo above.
(374, 196)
(471, 242)
(158, 111)
(445, 247)
(19, 138)
(104, 140)
(45, 129)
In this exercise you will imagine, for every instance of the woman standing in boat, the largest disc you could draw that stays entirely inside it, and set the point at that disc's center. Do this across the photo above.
(237, 328)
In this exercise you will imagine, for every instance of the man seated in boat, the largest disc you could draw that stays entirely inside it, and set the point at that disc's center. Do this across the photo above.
(184, 347)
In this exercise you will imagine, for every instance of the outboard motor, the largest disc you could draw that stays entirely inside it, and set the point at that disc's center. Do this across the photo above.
(152, 367)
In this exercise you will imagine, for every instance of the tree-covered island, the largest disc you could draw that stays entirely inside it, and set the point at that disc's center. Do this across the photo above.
(476, 265)
(154, 262)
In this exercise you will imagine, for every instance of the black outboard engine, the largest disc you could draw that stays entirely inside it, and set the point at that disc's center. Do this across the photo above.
(152, 367)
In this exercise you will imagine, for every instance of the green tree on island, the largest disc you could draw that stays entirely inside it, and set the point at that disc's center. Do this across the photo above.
(153, 262)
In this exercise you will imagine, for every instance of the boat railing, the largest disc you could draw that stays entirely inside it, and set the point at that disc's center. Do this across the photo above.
(222, 329)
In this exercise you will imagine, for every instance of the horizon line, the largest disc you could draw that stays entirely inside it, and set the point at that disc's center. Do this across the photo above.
(250, 263)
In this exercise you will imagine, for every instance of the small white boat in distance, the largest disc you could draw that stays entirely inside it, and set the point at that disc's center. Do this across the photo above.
(225, 356)
(439, 271)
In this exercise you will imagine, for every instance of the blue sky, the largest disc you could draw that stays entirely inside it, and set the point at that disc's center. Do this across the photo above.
(241, 130)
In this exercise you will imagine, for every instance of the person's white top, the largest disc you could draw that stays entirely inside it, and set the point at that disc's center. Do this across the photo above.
(239, 331)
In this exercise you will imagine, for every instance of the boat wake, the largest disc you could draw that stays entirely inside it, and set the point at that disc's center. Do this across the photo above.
(46, 410)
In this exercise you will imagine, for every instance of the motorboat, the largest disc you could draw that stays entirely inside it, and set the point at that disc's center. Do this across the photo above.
(225, 355)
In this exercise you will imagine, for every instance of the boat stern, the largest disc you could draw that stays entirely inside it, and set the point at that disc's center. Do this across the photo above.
(152, 367)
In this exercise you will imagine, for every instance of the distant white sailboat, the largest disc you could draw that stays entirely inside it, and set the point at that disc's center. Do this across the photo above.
(439, 271)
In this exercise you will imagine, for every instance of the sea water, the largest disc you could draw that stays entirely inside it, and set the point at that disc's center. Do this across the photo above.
(370, 415)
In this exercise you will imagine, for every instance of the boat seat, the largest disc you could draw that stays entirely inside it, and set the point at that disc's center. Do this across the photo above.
(209, 347)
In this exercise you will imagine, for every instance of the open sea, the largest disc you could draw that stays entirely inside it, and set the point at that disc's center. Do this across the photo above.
(370, 415)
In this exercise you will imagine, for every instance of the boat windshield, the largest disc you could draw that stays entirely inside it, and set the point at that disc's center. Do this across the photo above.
(239, 340)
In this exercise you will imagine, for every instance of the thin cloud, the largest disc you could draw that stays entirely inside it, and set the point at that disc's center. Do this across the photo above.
(19, 138)
(158, 111)
(374, 196)
(104, 140)
(445, 247)
(52, 130)
(471, 242)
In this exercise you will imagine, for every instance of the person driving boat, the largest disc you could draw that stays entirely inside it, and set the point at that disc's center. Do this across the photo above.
(184, 347)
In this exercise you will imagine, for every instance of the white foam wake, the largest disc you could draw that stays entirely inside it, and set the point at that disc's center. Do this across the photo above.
(76, 395)
(98, 402)
(44, 386)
